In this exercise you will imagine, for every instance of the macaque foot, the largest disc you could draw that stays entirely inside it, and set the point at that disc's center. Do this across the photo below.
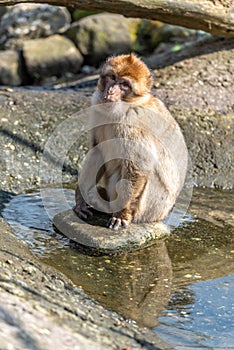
(83, 210)
(115, 223)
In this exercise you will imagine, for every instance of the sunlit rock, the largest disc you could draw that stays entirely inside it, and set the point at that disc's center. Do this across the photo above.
(30, 21)
(101, 35)
(51, 56)
(94, 235)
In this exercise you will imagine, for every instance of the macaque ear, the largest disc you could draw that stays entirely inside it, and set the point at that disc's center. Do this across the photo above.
(131, 58)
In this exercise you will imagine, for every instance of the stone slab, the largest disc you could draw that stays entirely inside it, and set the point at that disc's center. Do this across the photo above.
(94, 235)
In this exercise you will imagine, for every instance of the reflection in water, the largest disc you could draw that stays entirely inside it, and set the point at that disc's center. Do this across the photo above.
(193, 310)
(137, 284)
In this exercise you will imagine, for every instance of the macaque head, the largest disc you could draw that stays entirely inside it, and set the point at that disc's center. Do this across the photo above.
(124, 78)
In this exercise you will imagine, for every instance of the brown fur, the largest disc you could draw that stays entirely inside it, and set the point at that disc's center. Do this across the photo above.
(131, 66)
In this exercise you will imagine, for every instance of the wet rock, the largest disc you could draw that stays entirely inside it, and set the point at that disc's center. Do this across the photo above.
(29, 21)
(94, 235)
(10, 68)
(213, 205)
(101, 35)
(44, 308)
(53, 56)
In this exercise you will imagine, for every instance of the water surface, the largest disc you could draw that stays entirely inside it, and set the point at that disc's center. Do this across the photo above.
(182, 286)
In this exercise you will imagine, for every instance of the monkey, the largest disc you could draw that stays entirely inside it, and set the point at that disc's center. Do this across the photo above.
(152, 161)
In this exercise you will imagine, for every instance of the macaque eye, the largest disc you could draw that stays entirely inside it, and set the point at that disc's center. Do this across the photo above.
(125, 84)
(112, 77)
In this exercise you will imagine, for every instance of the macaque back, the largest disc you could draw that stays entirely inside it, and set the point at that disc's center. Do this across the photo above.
(137, 151)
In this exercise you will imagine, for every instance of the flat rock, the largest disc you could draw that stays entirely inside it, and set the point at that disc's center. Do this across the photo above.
(94, 235)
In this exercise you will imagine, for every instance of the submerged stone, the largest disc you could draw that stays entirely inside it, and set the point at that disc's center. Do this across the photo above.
(94, 235)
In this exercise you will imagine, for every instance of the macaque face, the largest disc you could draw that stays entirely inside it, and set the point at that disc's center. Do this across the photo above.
(124, 78)
(116, 88)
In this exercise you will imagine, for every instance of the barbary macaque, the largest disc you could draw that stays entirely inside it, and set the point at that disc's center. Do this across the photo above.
(137, 151)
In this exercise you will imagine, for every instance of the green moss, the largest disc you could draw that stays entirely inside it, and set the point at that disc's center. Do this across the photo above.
(78, 14)
(133, 29)
(148, 35)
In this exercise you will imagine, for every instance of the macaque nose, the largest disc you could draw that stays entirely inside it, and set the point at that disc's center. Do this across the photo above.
(113, 93)
(113, 89)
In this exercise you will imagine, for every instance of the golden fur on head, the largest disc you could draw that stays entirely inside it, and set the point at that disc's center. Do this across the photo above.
(132, 67)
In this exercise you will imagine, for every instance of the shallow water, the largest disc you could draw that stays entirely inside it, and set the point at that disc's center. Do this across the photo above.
(182, 286)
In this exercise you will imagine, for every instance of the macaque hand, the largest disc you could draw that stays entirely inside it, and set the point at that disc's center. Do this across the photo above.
(83, 210)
